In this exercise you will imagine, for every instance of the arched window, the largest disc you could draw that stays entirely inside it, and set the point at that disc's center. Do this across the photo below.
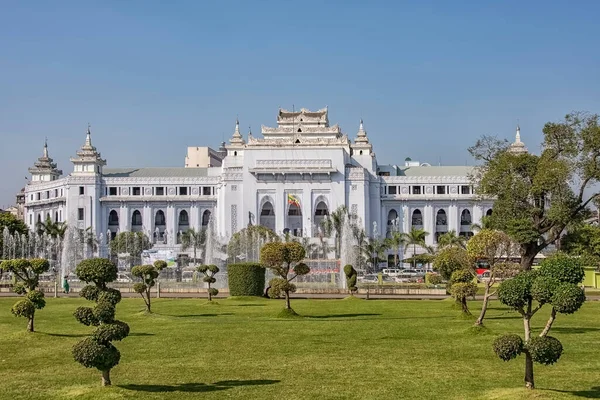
(267, 216)
(417, 219)
(205, 218)
(294, 219)
(159, 219)
(489, 213)
(136, 218)
(39, 218)
(113, 218)
(184, 218)
(440, 219)
(465, 218)
(321, 213)
(56, 216)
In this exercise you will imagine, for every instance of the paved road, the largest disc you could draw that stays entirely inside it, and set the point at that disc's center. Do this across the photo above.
(324, 296)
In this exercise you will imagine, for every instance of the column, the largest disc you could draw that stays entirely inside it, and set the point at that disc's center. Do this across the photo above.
(123, 218)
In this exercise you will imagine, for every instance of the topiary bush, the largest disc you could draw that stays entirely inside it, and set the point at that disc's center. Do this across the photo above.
(433, 279)
(462, 287)
(148, 275)
(97, 351)
(554, 283)
(246, 279)
(545, 350)
(209, 272)
(351, 278)
(508, 346)
(26, 280)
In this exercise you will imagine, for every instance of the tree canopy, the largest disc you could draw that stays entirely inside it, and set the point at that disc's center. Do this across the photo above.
(537, 196)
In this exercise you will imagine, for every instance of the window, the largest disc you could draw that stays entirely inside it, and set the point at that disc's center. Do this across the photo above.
(183, 191)
(136, 191)
(465, 189)
(391, 189)
(47, 194)
(31, 197)
(234, 188)
(37, 196)
(112, 191)
(440, 189)
(80, 214)
(416, 190)
(136, 218)
(81, 190)
(385, 173)
(30, 219)
(61, 193)
(159, 191)
(206, 190)
(55, 192)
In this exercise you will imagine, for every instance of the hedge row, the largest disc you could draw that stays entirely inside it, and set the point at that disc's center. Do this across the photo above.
(246, 279)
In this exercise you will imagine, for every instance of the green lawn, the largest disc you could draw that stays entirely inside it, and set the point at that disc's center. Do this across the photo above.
(341, 350)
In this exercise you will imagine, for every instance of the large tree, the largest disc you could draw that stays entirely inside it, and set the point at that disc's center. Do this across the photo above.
(537, 196)
(283, 259)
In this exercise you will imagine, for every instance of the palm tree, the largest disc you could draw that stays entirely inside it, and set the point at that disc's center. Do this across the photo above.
(324, 247)
(451, 239)
(397, 241)
(360, 236)
(374, 249)
(416, 237)
(309, 248)
(193, 239)
(53, 229)
(333, 224)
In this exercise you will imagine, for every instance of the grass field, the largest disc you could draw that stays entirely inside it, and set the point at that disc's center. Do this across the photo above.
(341, 349)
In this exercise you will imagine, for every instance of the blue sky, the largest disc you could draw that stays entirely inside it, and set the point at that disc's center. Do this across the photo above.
(152, 78)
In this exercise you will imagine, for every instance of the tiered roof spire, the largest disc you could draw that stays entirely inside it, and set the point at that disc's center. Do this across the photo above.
(45, 166)
(88, 154)
(361, 136)
(237, 138)
(518, 147)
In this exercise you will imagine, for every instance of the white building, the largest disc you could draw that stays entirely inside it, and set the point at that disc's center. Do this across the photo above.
(289, 179)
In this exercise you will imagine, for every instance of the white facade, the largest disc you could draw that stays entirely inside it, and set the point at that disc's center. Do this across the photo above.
(290, 179)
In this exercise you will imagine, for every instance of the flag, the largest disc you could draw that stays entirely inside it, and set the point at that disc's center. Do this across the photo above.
(293, 200)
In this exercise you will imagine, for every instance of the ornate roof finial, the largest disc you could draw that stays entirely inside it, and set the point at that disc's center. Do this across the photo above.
(46, 148)
(88, 136)
(237, 136)
(518, 135)
(249, 130)
(361, 136)
(518, 147)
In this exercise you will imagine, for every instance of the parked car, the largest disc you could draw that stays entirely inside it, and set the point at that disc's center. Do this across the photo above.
(392, 272)
(369, 279)
(386, 278)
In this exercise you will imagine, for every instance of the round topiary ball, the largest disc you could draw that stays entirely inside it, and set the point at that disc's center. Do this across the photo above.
(113, 296)
(139, 287)
(543, 288)
(545, 350)
(508, 346)
(92, 354)
(568, 298)
(23, 308)
(86, 316)
(118, 330)
(516, 292)
(37, 298)
(90, 292)
(563, 268)
(461, 276)
(104, 312)
(96, 270)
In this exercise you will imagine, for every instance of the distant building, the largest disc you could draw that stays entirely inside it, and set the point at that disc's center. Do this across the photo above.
(203, 157)
(288, 180)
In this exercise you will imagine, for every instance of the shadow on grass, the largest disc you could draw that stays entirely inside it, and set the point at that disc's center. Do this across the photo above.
(512, 316)
(248, 305)
(343, 315)
(197, 387)
(194, 315)
(592, 393)
(575, 329)
(90, 334)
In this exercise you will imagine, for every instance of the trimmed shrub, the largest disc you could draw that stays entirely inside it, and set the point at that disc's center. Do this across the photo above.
(246, 279)
(568, 298)
(563, 268)
(545, 350)
(433, 279)
(508, 346)
(351, 277)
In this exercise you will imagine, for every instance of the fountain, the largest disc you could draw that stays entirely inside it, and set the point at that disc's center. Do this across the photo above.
(72, 252)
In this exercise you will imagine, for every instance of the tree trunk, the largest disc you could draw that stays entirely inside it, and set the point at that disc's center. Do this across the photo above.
(527, 257)
(287, 301)
(30, 324)
(464, 306)
(106, 377)
(148, 302)
(209, 293)
(484, 306)
(549, 323)
(528, 371)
